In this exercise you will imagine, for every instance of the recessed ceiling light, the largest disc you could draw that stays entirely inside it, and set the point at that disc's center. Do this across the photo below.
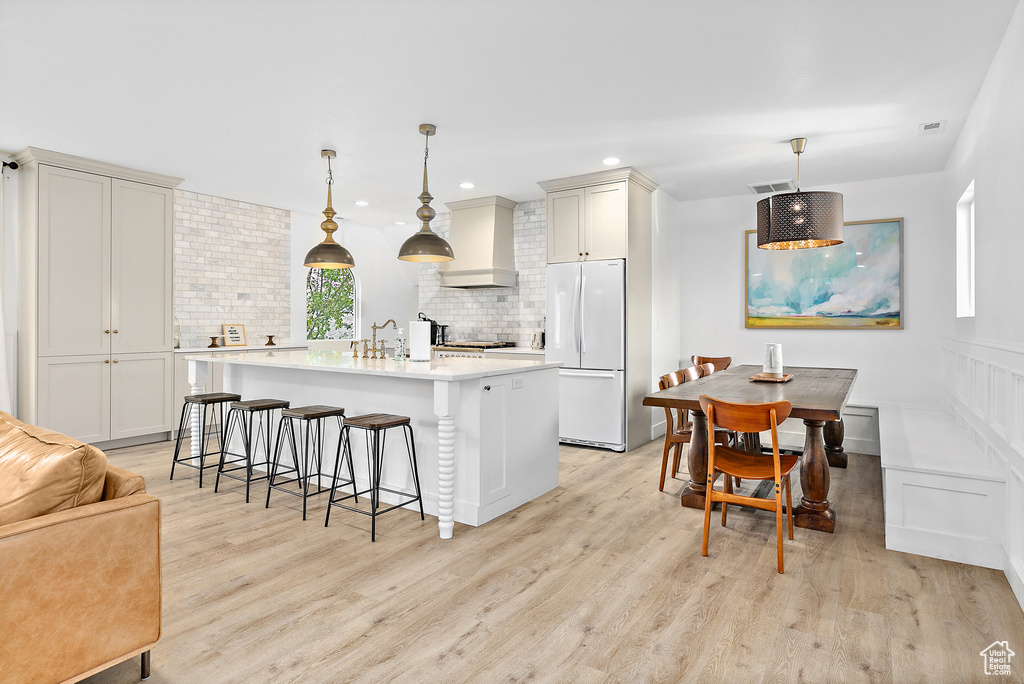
(362, 203)
(467, 185)
(611, 161)
(399, 223)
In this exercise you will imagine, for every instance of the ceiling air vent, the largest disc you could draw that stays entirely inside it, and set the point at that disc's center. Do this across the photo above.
(774, 186)
(931, 127)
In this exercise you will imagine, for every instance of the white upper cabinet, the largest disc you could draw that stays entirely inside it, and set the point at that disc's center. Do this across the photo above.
(589, 216)
(606, 222)
(141, 244)
(74, 262)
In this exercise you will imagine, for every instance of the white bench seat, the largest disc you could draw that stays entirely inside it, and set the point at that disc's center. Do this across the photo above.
(942, 497)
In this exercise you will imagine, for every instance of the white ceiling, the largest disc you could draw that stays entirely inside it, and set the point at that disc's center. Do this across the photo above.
(239, 96)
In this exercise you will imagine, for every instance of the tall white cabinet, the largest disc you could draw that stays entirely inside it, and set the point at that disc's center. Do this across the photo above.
(95, 302)
(609, 215)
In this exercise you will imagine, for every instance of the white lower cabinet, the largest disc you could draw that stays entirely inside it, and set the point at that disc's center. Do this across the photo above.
(74, 396)
(98, 398)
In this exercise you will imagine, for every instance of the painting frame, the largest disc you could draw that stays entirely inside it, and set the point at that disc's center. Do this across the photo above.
(234, 334)
(881, 266)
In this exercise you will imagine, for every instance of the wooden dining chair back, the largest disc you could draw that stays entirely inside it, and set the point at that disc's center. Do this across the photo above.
(733, 462)
(721, 362)
(705, 369)
(678, 427)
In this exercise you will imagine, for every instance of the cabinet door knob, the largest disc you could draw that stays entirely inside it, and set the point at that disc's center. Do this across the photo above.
(115, 360)
(107, 332)
(585, 254)
(487, 387)
(106, 360)
(115, 332)
(581, 253)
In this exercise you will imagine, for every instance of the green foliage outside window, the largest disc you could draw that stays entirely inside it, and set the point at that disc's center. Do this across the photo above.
(330, 304)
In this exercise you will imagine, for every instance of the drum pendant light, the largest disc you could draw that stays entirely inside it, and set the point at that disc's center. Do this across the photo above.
(426, 245)
(329, 254)
(800, 220)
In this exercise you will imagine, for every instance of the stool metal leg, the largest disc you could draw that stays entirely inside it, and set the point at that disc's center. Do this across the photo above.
(186, 412)
(410, 445)
(284, 424)
(233, 417)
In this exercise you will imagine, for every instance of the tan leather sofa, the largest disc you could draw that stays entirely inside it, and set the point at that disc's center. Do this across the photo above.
(79, 559)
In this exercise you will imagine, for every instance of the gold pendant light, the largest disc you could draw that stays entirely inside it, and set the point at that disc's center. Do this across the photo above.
(426, 245)
(329, 254)
(799, 220)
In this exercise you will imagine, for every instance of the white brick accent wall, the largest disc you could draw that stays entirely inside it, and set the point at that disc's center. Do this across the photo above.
(495, 314)
(231, 265)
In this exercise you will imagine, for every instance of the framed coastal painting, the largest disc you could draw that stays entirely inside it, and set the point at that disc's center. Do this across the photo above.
(858, 284)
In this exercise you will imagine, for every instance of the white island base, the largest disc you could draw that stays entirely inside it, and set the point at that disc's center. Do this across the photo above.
(486, 430)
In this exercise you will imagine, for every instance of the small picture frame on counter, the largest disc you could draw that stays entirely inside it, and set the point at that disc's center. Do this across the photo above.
(234, 334)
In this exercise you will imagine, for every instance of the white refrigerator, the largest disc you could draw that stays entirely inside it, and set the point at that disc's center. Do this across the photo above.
(586, 333)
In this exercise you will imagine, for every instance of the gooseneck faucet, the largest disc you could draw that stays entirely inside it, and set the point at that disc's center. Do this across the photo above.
(375, 328)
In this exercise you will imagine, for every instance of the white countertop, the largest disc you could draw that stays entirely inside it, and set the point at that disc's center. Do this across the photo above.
(451, 369)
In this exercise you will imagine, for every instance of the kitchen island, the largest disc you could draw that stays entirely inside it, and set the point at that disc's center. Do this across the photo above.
(486, 429)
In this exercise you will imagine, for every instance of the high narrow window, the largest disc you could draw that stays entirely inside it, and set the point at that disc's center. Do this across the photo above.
(965, 254)
(330, 304)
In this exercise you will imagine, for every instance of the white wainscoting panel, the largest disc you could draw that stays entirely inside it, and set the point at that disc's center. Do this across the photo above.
(984, 391)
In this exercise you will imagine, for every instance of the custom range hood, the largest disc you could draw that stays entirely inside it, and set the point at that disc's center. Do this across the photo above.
(480, 234)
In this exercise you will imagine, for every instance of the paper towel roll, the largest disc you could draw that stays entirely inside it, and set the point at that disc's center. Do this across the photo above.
(419, 340)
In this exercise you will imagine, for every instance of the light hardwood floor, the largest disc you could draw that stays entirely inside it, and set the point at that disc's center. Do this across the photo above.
(600, 580)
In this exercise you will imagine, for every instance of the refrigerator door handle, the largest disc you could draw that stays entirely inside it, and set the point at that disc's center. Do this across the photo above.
(576, 313)
(583, 323)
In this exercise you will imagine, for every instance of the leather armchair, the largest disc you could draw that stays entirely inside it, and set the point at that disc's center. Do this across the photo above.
(80, 588)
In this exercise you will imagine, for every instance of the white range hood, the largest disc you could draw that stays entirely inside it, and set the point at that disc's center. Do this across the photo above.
(480, 234)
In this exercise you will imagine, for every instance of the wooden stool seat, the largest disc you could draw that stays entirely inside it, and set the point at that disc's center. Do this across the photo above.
(260, 404)
(313, 412)
(211, 398)
(377, 421)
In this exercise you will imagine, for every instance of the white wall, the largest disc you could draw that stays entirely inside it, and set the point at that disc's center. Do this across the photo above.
(667, 275)
(984, 358)
(893, 365)
(386, 287)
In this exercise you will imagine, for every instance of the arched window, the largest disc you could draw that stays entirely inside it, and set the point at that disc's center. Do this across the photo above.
(330, 304)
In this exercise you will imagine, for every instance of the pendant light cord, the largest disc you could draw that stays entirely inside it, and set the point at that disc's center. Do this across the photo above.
(330, 174)
(798, 172)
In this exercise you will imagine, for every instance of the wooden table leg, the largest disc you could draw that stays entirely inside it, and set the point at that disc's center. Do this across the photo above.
(697, 462)
(834, 433)
(814, 512)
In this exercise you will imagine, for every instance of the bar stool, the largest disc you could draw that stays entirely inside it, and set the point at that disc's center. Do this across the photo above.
(311, 427)
(215, 400)
(376, 426)
(247, 415)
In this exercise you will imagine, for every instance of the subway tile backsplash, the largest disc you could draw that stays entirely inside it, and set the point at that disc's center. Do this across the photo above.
(231, 265)
(507, 314)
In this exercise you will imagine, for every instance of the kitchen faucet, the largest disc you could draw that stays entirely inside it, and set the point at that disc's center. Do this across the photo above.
(375, 328)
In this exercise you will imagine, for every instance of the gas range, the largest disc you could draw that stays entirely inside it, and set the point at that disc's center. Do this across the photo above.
(465, 344)
(468, 349)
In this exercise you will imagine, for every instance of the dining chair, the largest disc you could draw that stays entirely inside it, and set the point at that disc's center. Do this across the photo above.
(721, 362)
(705, 368)
(736, 463)
(678, 426)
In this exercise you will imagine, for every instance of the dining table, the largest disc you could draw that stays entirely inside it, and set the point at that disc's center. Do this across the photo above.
(818, 396)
